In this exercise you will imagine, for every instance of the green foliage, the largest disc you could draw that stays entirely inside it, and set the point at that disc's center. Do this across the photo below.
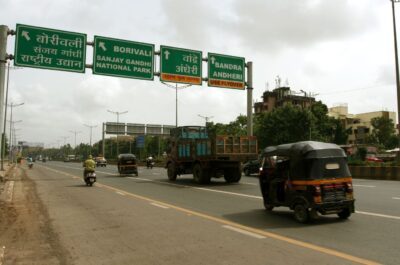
(361, 153)
(283, 125)
(237, 127)
(383, 132)
(292, 123)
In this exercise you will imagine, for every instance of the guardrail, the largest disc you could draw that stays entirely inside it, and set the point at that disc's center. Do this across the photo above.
(375, 172)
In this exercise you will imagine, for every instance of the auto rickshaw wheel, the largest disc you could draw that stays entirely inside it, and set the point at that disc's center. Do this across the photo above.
(301, 213)
(171, 172)
(344, 214)
(268, 207)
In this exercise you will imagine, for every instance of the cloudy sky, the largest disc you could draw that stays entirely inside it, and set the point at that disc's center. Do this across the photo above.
(341, 50)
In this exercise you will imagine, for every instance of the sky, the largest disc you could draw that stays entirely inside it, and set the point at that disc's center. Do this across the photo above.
(340, 51)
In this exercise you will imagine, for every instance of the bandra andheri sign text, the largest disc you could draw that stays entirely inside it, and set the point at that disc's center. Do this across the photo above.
(53, 49)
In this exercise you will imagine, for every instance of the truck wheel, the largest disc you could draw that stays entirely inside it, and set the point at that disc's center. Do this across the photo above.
(171, 172)
(301, 213)
(232, 175)
(344, 214)
(200, 175)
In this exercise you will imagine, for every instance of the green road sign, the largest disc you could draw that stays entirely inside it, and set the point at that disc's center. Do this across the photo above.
(180, 65)
(123, 58)
(226, 71)
(50, 49)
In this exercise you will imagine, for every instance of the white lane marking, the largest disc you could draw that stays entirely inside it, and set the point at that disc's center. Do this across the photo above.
(243, 195)
(249, 183)
(159, 205)
(199, 188)
(2, 251)
(244, 232)
(364, 186)
(120, 193)
(380, 215)
(396, 198)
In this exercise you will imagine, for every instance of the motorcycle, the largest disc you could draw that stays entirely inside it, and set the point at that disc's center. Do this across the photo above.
(90, 178)
(150, 164)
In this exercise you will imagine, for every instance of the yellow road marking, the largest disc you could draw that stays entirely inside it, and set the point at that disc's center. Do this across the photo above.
(238, 226)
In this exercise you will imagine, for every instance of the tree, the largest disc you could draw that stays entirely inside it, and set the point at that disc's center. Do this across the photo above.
(383, 131)
(283, 125)
(237, 127)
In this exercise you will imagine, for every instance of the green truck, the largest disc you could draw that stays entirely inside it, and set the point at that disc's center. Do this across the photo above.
(198, 151)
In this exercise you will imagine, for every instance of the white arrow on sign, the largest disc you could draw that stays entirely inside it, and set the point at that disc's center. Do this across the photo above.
(166, 53)
(25, 34)
(212, 60)
(102, 46)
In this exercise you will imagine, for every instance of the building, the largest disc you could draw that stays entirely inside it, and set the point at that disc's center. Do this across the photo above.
(282, 96)
(360, 124)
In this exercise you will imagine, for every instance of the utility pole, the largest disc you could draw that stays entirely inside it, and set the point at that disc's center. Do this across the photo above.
(117, 113)
(3, 57)
(250, 99)
(91, 129)
(3, 135)
(396, 58)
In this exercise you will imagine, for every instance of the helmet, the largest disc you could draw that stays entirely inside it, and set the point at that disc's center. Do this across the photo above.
(90, 156)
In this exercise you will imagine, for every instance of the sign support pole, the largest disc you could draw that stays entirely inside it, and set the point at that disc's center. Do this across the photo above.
(3, 57)
(250, 99)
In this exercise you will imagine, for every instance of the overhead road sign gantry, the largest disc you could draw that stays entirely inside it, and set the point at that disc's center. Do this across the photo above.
(50, 49)
(180, 65)
(226, 71)
(123, 58)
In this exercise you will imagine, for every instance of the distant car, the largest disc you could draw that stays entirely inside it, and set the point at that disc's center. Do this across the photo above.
(373, 159)
(251, 167)
(100, 161)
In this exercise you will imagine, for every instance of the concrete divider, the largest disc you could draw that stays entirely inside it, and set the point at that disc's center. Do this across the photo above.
(377, 172)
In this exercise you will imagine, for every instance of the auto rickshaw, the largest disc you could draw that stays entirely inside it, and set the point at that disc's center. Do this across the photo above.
(308, 177)
(127, 164)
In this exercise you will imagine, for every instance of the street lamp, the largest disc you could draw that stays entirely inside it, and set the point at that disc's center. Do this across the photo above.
(12, 105)
(91, 129)
(397, 70)
(176, 98)
(75, 133)
(12, 132)
(117, 113)
(207, 118)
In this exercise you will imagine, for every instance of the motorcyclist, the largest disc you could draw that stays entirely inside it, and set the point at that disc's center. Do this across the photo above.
(149, 162)
(30, 162)
(89, 166)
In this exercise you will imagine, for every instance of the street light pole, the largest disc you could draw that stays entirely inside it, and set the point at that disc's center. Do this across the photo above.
(12, 105)
(75, 133)
(3, 136)
(176, 98)
(207, 118)
(91, 128)
(397, 69)
(117, 113)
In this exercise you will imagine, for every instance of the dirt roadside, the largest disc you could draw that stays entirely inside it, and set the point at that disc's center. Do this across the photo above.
(26, 235)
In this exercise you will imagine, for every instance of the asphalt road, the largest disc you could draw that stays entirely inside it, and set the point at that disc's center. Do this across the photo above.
(149, 220)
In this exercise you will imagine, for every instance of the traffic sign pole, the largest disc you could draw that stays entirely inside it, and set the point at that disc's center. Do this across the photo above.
(3, 55)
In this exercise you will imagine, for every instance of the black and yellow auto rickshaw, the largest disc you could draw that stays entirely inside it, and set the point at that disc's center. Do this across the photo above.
(127, 164)
(308, 177)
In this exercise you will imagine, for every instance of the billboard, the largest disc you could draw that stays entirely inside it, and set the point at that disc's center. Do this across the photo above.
(115, 128)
